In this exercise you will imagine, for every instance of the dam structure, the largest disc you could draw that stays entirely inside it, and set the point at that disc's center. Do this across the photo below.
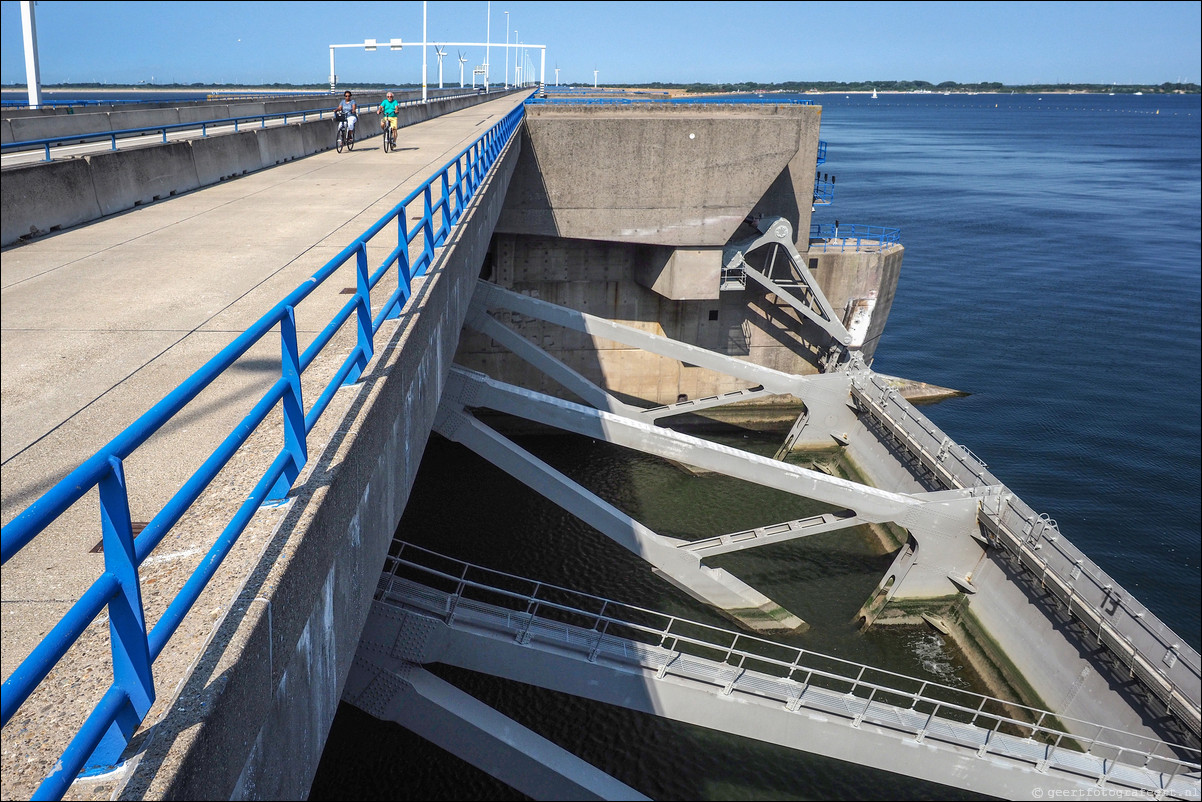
(190, 590)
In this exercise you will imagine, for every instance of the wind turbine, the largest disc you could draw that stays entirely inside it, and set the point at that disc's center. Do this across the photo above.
(438, 51)
(594, 79)
(557, 75)
(462, 61)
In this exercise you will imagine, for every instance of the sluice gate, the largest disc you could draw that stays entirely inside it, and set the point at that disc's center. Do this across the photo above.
(966, 533)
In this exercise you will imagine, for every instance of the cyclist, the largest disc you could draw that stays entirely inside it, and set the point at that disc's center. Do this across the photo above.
(388, 108)
(350, 110)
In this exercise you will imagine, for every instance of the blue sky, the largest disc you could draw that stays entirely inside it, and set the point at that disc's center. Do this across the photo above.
(626, 42)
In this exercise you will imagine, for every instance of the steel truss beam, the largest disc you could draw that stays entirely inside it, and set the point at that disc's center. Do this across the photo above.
(927, 510)
(777, 236)
(713, 586)
(826, 396)
(436, 710)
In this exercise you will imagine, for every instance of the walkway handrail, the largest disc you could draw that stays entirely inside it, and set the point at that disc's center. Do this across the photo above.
(1146, 645)
(603, 619)
(126, 133)
(443, 198)
(850, 236)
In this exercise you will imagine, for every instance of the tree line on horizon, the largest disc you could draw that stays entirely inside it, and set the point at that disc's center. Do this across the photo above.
(719, 88)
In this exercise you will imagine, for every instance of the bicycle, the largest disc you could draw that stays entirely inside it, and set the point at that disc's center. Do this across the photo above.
(389, 134)
(346, 136)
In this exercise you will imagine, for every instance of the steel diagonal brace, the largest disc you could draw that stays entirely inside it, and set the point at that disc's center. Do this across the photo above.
(489, 297)
(869, 503)
(830, 325)
(713, 586)
(778, 233)
(774, 533)
(571, 379)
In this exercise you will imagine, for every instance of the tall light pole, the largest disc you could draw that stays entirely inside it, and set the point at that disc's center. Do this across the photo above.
(33, 75)
(488, 46)
(506, 49)
(516, 69)
(424, 47)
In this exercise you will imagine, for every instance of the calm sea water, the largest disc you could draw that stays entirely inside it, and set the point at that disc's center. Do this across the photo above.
(1051, 270)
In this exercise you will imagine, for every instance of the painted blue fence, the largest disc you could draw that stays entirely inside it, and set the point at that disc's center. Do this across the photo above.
(851, 237)
(442, 200)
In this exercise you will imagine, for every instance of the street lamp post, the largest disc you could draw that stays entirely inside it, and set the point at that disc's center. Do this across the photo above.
(506, 49)
(369, 45)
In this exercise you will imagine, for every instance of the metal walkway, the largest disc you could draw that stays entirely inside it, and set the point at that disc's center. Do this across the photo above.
(509, 626)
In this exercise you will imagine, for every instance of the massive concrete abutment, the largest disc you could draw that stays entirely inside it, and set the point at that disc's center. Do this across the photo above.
(627, 211)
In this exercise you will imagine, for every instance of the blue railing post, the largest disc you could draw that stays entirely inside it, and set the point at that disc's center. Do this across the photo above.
(444, 206)
(459, 198)
(293, 407)
(127, 620)
(427, 231)
(404, 277)
(365, 349)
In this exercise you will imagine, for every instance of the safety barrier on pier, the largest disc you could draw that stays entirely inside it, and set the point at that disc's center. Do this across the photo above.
(1150, 649)
(128, 133)
(849, 236)
(735, 664)
(436, 206)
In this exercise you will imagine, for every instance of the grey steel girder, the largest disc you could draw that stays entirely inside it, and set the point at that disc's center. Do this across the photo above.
(844, 733)
(391, 688)
(827, 397)
(777, 234)
(772, 533)
(489, 296)
(713, 586)
(928, 511)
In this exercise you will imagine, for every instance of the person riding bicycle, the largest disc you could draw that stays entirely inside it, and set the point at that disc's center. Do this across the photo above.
(349, 110)
(388, 114)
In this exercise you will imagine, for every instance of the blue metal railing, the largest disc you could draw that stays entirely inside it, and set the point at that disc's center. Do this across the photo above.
(851, 237)
(203, 125)
(126, 133)
(442, 198)
(821, 152)
(824, 189)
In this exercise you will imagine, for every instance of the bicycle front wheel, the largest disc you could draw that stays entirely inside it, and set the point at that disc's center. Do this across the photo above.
(338, 144)
(350, 140)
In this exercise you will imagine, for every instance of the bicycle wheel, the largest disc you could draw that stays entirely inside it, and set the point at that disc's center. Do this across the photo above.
(339, 142)
(350, 140)
(387, 141)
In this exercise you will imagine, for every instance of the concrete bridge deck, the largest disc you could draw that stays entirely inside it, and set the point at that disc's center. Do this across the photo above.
(102, 320)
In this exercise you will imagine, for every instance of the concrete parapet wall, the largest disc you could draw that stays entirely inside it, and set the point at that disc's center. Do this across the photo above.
(123, 180)
(125, 120)
(41, 198)
(57, 196)
(220, 157)
(21, 129)
(19, 125)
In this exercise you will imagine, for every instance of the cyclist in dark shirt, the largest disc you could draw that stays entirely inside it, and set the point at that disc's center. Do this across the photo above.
(350, 111)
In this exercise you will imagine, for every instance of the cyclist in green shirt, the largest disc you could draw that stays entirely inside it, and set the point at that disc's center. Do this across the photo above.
(388, 108)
